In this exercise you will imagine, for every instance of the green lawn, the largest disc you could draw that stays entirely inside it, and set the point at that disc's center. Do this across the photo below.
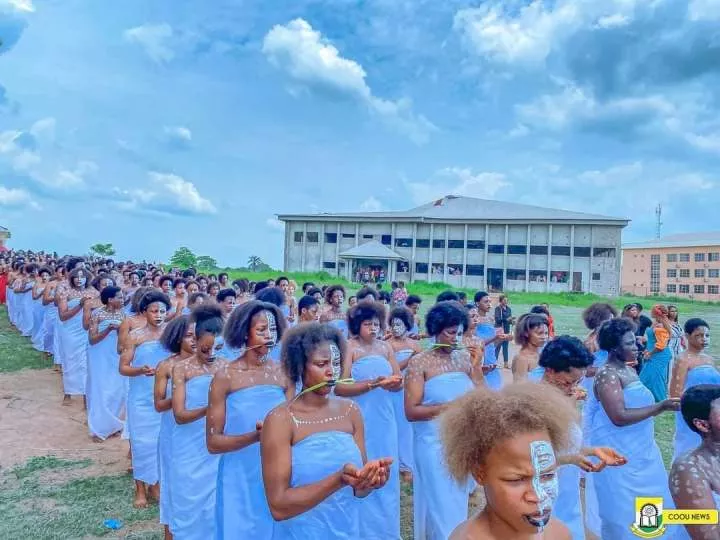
(16, 352)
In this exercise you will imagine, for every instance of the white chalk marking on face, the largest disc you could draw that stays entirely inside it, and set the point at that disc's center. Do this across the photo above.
(545, 481)
(336, 361)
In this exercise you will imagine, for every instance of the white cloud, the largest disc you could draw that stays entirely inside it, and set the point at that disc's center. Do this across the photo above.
(371, 204)
(178, 133)
(68, 179)
(457, 181)
(704, 10)
(167, 194)
(312, 60)
(44, 130)
(16, 198)
(156, 40)
(20, 5)
(513, 32)
(275, 224)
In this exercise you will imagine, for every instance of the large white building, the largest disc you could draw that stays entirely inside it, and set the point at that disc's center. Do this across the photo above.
(465, 242)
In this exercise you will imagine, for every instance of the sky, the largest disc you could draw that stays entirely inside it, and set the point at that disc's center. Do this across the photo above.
(155, 125)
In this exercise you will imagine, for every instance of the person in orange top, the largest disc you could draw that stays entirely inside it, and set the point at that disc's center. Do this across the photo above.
(654, 373)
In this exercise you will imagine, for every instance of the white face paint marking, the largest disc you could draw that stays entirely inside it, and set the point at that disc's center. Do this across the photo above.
(459, 335)
(375, 328)
(335, 361)
(272, 327)
(397, 327)
(545, 482)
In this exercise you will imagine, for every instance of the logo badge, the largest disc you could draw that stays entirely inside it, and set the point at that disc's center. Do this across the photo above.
(648, 517)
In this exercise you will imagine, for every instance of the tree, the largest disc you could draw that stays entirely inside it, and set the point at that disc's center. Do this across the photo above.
(103, 250)
(183, 258)
(254, 262)
(206, 262)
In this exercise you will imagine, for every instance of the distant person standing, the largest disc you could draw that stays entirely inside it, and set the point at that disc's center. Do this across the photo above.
(642, 323)
(504, 320)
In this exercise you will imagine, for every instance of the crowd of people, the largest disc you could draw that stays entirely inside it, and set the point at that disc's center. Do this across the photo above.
(255, 412)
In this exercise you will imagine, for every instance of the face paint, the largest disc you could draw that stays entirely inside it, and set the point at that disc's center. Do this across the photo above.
(375, 328)
(218, 344)
(336, 361)
(340, 299)
(81, 281)
(459, 335)
(397, 327)
(545, 482)
(272, 327)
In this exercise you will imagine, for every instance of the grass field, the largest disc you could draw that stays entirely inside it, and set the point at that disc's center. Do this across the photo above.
(52, 498)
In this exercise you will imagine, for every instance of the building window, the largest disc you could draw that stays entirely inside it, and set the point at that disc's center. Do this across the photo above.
(671, 272)
(475, 269)
(517, 250)
(329, 264)
(456, 244)
(699, 272)
(330, 238)
(455, 269)
(671, 288)
(714, 256)
(684, 257)
(422, 243)
(559, 277)
(582, 251)
(654, 273)
(403, 242)
(596, 276)
(684, 272)
(714, 272)
(348, 235)
(368, 237)
(403, 267)
(421, 268)
(671, 257)
(298, 237)
(438, 244)
(699, 289)
(438, 269)
(515, 274)
(607, 253)
(476, 244)
(538, 275)
(538, 250)
(699, 257)
(496, 248)
(713, 289)
(386, 240)
(563, 251)
(684, 289)
(312, 237)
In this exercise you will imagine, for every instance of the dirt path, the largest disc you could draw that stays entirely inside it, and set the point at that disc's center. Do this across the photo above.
(34, 423)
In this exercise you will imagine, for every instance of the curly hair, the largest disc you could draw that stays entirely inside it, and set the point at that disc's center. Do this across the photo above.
(174, 333)
(366, 311)
(611, 333)
(598, 313)
(446, 315)
(518, 408)
(271, 295)
(525, 324)
(74, 274)
(301, 341)
(367, 291)
(152, 297)
(330, 290)
(137, 297)
(109, 292)
(238, 324)
(405, 315)
(447, 296)
(207, 318)
(564, 353)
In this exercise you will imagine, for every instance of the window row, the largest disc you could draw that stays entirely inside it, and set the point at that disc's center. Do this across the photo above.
(697, 289)
(713, 256)
(698, 272)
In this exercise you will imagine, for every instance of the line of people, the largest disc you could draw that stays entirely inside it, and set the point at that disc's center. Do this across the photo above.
(256, 415)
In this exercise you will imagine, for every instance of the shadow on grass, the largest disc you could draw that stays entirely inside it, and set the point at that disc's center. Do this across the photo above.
(33, 507)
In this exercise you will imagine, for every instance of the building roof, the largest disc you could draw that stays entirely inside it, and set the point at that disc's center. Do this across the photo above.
(465, 209)
(371, 250)
(698, 239)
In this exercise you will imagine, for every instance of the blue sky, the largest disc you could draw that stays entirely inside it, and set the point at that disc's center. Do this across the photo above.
(153, 125)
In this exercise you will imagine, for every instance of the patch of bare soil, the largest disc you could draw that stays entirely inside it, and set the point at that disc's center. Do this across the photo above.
(33, 422)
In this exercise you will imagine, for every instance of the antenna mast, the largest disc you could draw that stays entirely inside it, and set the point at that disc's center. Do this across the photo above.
(658, 221)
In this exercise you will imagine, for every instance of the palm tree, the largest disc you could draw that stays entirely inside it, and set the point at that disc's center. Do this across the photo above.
(254, 262)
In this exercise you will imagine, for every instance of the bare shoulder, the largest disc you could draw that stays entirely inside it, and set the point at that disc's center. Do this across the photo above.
(556, 530)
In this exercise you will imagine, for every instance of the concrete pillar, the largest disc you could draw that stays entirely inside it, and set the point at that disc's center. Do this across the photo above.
(303, 255)
(485, 255)
(430, 250)
(505, 256)
(527, 258)
(464, 273)
(412, 257)
(445, 256)
(572, 258)
(549, 260)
